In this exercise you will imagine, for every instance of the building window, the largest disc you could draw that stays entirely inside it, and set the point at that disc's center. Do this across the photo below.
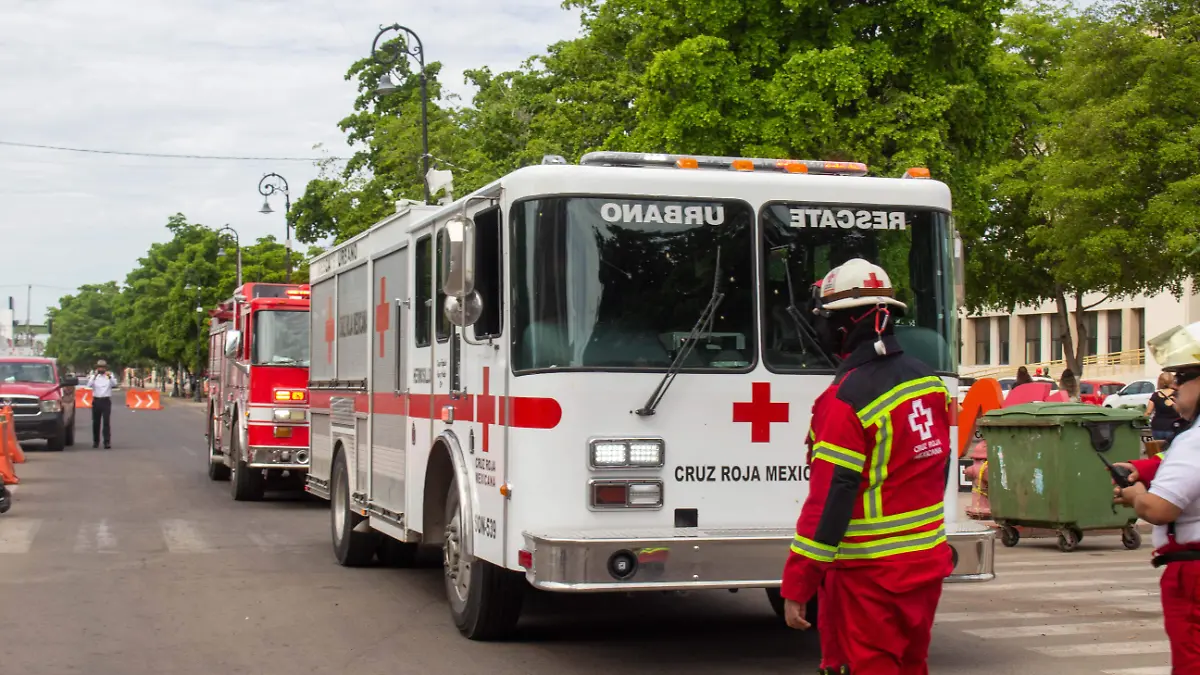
(1114, 331)
(1057, 328)
(1033, 338)
(983, 341)
(1002, 328)
(1091, 322)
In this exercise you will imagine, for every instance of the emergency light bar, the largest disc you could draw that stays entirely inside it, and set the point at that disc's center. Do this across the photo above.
(809, 166)
(298, 293)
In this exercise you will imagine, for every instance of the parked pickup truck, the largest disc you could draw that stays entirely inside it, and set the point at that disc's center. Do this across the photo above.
(43, 404)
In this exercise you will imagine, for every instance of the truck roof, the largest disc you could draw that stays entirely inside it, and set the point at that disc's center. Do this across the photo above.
(26, 359)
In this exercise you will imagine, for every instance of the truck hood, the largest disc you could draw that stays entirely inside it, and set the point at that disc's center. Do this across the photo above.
(39, 389)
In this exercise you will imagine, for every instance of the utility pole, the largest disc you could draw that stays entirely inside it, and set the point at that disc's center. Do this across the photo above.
(29, 314)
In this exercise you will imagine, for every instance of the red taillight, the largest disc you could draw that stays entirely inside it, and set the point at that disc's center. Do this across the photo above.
(610, 495)
(525, 559)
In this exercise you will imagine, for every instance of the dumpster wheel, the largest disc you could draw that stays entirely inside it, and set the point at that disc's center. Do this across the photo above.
(1067, 541)
(1078, 534)
(1131, 537)
(1009, 536)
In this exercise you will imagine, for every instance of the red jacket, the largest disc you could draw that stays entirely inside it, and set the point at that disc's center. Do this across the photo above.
(879, 449)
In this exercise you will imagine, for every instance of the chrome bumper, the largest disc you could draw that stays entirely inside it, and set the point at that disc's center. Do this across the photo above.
(291, 459)
(699, 559)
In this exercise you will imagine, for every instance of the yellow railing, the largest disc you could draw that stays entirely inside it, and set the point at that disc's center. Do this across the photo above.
(1093, 366)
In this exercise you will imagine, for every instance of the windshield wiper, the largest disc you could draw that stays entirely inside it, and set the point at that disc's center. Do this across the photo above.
(803, 326)
(703, 325)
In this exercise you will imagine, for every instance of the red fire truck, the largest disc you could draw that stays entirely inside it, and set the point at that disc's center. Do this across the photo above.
(258, 388)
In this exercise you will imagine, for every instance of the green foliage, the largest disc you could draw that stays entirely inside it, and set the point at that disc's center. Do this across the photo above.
(153, 319)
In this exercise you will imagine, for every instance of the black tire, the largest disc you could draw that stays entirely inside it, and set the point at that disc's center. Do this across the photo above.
(59, 440)
(490, 605)
(1131, 538)
(350, 547)
(70, 439)
(217, 471)
(1009, 536)
(1078, 534)
(810, 610)
(5, 499)
(245, 484)
(1067, 541)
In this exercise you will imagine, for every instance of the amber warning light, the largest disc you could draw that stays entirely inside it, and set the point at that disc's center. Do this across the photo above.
(291, 395)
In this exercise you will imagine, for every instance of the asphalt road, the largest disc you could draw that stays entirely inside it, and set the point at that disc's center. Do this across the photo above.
(131, 562)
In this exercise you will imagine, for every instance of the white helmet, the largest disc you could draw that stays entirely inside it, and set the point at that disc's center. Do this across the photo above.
(856, 283)
(1178, 348)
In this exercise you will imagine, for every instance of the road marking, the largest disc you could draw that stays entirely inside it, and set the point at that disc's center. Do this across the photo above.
(1063, 583)
(1101, 594)
(16, 536)
(182, 537)
(1001, 574)
(1105, 649)
(97, 536)
(1151, 670)
(1115, 559)
(1151, 607)
(963, 617)
(1008, 632)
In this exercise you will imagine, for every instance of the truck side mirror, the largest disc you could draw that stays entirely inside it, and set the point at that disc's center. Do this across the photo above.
(457, 250)
(233, 343)
(463, 312)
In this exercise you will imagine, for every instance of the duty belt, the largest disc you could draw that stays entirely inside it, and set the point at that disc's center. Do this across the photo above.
(1178, 552)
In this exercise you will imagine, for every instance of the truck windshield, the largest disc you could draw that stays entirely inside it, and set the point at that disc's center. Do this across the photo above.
(619, 283)
(41, 373)
(280, 338)
(802, 241)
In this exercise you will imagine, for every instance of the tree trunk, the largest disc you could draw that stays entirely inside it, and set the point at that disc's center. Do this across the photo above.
(1069, 353)
(1081, 335)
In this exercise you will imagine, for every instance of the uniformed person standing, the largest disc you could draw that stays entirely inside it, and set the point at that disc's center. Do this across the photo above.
(1167, 494)
(101, 383)
(871, 541)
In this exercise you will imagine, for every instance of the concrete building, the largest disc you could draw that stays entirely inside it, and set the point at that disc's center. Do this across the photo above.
(6, 327)
(995, 343)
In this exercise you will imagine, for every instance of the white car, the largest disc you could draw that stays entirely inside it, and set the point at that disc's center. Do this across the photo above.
(1136, 394)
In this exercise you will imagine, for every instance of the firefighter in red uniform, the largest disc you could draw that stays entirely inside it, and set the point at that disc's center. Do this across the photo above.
(871, 539)
(1167, 494)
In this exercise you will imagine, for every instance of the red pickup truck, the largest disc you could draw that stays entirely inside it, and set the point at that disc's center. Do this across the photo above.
(42, 400)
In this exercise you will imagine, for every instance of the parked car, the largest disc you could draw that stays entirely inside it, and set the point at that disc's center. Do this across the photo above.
(42, 402)
(1136, 394)
(1095, 391)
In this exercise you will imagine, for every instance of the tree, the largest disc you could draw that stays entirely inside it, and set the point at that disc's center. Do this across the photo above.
(84, 331)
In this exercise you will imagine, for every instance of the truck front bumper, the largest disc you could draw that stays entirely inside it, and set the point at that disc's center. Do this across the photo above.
(699, 559)
(43, 425)
(283, 458)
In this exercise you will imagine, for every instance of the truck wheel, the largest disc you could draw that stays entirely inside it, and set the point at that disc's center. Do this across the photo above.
(352, 548)
(810, 610)
(70, 439)
(59, 440)
(217, 470)
(485, 600)
(246, 484)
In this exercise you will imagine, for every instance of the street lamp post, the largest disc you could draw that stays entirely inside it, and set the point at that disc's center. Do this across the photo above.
(391, 54)
(269, 185)
(200, 341)
(236, 242)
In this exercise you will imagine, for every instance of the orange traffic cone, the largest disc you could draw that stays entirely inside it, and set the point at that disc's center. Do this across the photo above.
(8, 475)
(15, 453)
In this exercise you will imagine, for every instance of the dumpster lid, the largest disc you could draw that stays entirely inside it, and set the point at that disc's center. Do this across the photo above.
(1057, 414)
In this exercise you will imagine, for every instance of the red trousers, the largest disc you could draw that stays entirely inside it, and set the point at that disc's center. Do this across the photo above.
(1181, 613)
(877, 620)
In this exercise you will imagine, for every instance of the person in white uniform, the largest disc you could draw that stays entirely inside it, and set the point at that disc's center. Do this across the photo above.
(1167, 494)
(101, 383)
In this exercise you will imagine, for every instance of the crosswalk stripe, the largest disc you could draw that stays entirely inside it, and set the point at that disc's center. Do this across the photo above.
(95, 537)
(1062, 583)
(1149, 670)
(1004, 574)
(1105, 649)
(1103, 593)
(969, 616)
(1152, 607)
(1001, 564)
(182, 537)
(1008, 632)
(16, 536)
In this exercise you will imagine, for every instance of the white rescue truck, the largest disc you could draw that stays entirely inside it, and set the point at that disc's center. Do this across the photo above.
(494, 376)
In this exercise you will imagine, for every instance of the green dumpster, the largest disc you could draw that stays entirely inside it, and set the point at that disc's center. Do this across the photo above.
(1044, 472)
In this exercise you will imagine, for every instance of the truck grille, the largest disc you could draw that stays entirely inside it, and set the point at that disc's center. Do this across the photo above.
(21, 405)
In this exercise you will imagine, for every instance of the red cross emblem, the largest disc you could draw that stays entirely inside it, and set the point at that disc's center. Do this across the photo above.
(760, 412)
(485, 407)
(872, 281)
(329, 334)
(382, 315)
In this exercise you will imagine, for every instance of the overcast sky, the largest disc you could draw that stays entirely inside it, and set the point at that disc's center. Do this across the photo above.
(212, 77)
